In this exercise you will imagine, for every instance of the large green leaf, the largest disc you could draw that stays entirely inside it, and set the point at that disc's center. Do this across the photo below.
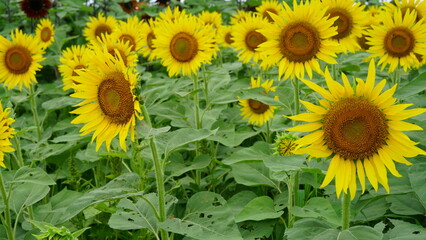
(319, 208)
(252, 174)
(407, 204)
(260, 208)
(207, 217)
(405, 231)
(418, 183)
(32, 175)
(259, 151)
(183, 136)
(180, 168)
(27, 194)
(229, 136)
(414, 86)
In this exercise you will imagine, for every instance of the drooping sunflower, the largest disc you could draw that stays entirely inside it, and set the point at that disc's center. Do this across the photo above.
(45, 33)
(19, 59)
(270, 6)
(225, 36)
(184, 44)
(73, 58)
(360, 129)
(129, 31)
(113, 46)
(298, 39)
(148, 35)
(398, 40)
(247, 37)
(349, 19)
(418, 6)
(6, 132)
(98, 26)
(109, 107)
(211, 18)
(35, 8)
(256, 111)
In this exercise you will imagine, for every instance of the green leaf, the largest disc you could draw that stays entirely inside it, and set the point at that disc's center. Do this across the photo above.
(407, 204)
(319, 208)
(360, 233)
(32, 175)
(72, 137)
(259, 151)
(418, 183)
(284, 164)
(58, 103)
(200, 162)
(26, 194)
(237, 202)
(260, 208)
(256, 230)
(229, 136)
(207, 218)
(405, 231)
(252, 174)
(183, 136)
(413, 87)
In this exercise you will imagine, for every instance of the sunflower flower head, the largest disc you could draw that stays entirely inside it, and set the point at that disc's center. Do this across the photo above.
(73, 58)
(257, 112)
(417, 6)
(20, 59)
(285, 144)
(35, 8)
(98, 26)
(270, 6)
(6, 132)
(45, 33)
(129, 31)
(148, 36)
(225, 36)
(114, 46)
(360, 129)
(211, 18)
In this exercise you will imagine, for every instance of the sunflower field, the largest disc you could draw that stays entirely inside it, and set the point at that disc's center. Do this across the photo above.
(213, 120)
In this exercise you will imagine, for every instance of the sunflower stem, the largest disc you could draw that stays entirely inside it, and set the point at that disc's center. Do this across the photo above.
(33, 104)
(158, 175)
(7, 220)
(346, 208)
(198, 124)
(206, 84)
(396, 76)
(295, 83)
(19, 158)
(290, 187)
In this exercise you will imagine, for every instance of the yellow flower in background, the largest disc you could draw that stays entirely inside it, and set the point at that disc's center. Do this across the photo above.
(239, 16)
(73, 58)
(114, 46)
(45, 33)
(349, 19)
(98, 26)
(130, 32)
(418, 6)
(398, 41)
(211, 18)
(148, 36)
(6, 132)
(225, 36)
(360, 128)
(109, 107)
(298, 39)
(270, 6)
(20, 59)
(184, 44)
(247, 38)
(169, 14)
(256, 111)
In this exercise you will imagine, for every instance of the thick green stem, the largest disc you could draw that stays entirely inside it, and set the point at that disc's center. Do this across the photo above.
(290, 187)
(206, 85)
(19, 158)
(33, 104)
(158, 175)
(346, 209)
(198, 124)
(7, 220)
(396, 76)
(295, 83)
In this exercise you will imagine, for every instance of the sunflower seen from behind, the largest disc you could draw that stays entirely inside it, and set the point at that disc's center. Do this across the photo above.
(184, 44)
(400, 41)
(257, 112)
(361, 129)
(6, 133)
(109, 107)
(298, 40)
(98, 26)
(45, 33)
(19, 60)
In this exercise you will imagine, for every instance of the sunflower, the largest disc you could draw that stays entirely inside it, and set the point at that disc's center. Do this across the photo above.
(98, 26)
(298, 39)
(360, 128)
(270, 6)
(171, 15)
(256, 111)
(398, 40)
(374, 16)
(45, 33)
(35, 8)
(285, 144)
(247, 38)
(129, 31)
(6, 132)
(131, 6)
(73, 59)
(211, 18)
(184, 44)
(19, 59)
(418, 6)
(148, 36)
(225, 36)
(114, 46)
(110, 106)
(349, 18)
(239, 16)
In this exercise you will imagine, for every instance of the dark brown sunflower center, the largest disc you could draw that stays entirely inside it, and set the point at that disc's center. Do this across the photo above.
(18, 60)
(344, 22)
(299, 41)
(102, 29)
(253, 39)
(129, 39)
(149, 39)
(257, 107)
(228, 38)
(399, 42)
(115, 98)
(362, 41)
(45, 34)
(267, 15)
(183, 47)
(121, 52)
(354, 128)
(36, 5)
